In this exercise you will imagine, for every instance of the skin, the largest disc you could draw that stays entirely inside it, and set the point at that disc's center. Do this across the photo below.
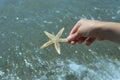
(90, 30)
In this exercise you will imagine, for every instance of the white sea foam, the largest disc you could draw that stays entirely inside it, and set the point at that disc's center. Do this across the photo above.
(118, 12)
(119, 48)
(57, 11)
(76, 51)
(1, 73)
(17, 18)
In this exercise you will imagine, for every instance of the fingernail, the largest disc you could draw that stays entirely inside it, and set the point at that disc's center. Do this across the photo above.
(73, 42)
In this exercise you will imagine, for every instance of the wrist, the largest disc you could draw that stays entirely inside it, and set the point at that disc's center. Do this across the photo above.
(109, 30)
(100, 30)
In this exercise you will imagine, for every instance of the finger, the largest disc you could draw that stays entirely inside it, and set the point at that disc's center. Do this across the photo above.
(75, 28)
(82, 39)
(90, 40)
(73, 42)
(73, 37)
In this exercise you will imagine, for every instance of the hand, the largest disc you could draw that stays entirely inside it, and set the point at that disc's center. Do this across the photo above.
(85, 31)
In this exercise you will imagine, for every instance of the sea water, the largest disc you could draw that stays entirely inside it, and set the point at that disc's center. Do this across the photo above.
(22, 26)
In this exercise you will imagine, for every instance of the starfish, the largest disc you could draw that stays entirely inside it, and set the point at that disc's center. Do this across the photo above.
(56, 40)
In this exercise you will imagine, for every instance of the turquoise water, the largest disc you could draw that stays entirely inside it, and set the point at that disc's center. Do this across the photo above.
(22, 23)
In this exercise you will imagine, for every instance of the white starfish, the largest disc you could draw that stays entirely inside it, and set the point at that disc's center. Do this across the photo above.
(54, 40)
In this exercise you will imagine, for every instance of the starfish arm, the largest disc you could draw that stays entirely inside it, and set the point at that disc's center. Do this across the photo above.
(59, 34)
(47, 44)
(57, 47)
(49, 35)
(63, 40)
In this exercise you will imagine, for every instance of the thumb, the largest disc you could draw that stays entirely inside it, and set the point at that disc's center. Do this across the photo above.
(73, 37)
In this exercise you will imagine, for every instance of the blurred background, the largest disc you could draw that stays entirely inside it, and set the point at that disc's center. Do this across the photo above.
(22, 23)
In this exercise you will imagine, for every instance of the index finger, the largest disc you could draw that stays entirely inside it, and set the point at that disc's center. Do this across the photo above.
(75, 28)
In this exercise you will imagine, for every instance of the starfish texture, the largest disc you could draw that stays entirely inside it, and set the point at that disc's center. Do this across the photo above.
(56, 40)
